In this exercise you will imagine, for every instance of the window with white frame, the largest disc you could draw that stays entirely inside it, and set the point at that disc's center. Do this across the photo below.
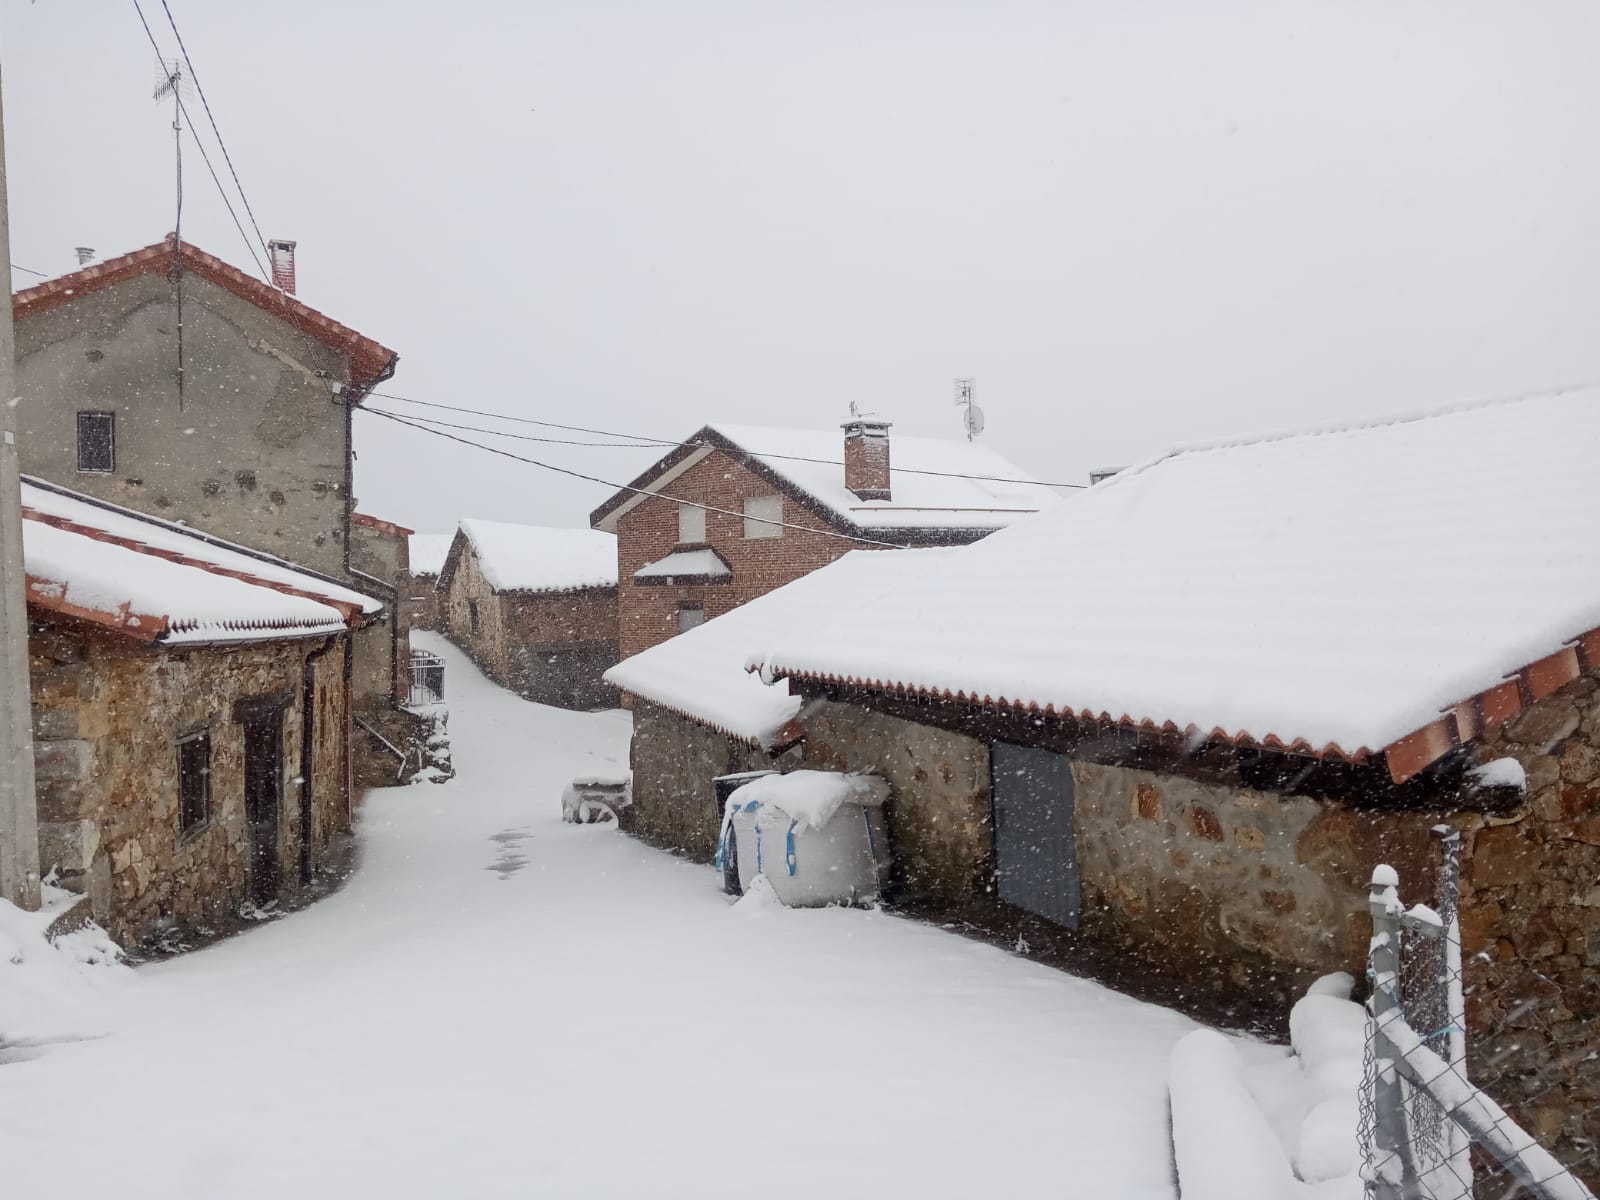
(763, 517)
(691, 524)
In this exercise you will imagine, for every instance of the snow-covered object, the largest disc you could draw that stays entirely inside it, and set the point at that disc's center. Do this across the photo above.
(538, 558)
(948, 500)
(1500, 773)
(1294, 587)
(54, 990)
(1282, 1126)
(704, 563)
(596, 797)
(160, 582)
(427, 552)
(701, 672)
(817, 836)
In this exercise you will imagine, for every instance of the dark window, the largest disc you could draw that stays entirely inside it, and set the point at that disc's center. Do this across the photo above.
(689, 616)
(194, 781)
(97, 441)
(472, 616)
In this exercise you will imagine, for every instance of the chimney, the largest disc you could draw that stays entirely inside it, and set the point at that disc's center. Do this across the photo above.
(282, 264)
(85, 255)
(866, 457)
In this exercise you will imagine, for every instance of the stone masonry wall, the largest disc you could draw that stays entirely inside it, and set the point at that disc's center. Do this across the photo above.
(558, 646)
(1531, 924)
(486, 645)
(257, 454)
(648, 613)
(938, 813)
(674, 761)
(107, 716)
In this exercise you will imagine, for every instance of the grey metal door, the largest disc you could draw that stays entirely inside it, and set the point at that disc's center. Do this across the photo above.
(1035, 860)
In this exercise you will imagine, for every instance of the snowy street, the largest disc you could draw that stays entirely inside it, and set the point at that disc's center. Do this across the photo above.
(498, 1004)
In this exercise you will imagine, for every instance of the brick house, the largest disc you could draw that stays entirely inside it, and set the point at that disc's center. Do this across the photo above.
(427, 555)
(535, 608)
(1177, 768)
(250, 441)
(190, 715)
(698, 713)
(737, 511)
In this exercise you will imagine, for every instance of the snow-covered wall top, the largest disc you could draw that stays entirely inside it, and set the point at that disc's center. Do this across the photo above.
(537, 558)
(917, 501)
(701, 673)
(1342, 586)
(428, 552)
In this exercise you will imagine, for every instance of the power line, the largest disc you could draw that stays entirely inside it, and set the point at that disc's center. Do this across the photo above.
(228, 158)
(642, 440)
(621, 487)
(523, 437)
(204, 157)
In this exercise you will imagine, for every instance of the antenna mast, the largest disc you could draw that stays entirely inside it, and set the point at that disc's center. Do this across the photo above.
(171, 83)
(972, 417)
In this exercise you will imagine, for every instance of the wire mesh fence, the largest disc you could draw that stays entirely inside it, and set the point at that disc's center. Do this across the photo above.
(1427, 1132)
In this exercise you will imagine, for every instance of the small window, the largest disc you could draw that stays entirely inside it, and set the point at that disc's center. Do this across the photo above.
(473, 620)
(194, 781)
(762, 516)
(690, 615)
(691, 524)
(97, 441)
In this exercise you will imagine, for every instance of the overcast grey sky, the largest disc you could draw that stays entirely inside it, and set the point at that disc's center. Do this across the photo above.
(1134, 223)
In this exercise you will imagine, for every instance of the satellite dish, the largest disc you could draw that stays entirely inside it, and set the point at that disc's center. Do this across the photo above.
(973, 420)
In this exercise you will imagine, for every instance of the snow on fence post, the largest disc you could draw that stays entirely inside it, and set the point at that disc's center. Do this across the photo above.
(1458, 1146)
(1391, 1167)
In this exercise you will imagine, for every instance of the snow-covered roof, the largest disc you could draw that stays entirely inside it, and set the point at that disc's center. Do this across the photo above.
(701, 672)
(428, 551)
(918, 501)
(538, 558)
(704, 563)
(158, 582)
(1331, 591)
(937, 484)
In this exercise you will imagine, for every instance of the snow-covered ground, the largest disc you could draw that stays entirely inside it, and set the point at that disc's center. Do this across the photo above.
(499, 1004)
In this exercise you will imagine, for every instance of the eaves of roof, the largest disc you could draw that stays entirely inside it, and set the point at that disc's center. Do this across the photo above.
(1405, 758)
(370, 361)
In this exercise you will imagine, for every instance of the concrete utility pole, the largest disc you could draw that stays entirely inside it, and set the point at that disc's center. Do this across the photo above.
(19, 816)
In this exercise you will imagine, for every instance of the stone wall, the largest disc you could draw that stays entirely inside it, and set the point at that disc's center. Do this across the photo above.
(938, 812)
(383, 650)
(674, 761)
(424, 602)
(558, 646)
(258, 453)
(107, 716)
(1531, 923)
(648, 613)
(1228, 900)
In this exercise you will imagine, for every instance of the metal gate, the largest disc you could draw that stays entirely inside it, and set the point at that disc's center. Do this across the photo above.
(1035, 860)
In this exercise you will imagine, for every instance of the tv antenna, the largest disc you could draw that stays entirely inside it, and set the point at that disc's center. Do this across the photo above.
(171, 81)
(972, 417)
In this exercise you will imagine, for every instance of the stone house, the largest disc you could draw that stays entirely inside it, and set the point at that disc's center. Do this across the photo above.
(191, 704)
(535, 608)
(698, 713)
(428, 552)
(737, 511)
(1177, 767)
(241, 428)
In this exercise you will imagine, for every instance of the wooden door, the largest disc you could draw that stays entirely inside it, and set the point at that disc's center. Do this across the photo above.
(263, 800)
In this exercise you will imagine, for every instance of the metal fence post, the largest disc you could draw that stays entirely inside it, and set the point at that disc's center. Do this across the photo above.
(1394, 1169)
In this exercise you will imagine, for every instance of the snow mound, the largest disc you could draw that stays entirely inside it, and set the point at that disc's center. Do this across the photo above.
(55, 990)
(1501, 773)
(759, 898)
(1284, 1128)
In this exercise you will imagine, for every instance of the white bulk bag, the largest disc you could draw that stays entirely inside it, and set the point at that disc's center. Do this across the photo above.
(818, 836)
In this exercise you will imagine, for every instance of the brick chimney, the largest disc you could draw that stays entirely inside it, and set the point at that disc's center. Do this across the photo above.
(282, 264)
(866, 457)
